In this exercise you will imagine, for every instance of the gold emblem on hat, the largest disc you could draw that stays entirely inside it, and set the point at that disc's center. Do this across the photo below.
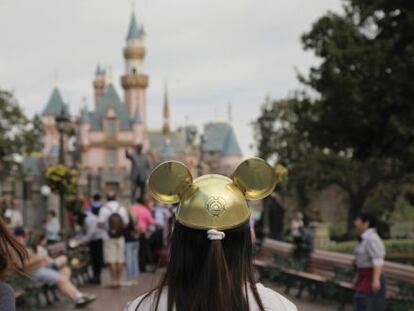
(216, 206)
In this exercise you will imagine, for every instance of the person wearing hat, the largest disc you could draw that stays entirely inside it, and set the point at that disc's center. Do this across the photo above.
(210, 266)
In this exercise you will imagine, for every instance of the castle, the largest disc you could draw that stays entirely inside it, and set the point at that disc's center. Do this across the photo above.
(116, 124)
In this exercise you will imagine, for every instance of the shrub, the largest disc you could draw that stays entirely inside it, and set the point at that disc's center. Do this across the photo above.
(397, 250)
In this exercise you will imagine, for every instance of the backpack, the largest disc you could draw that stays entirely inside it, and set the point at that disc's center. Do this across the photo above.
(116, 226)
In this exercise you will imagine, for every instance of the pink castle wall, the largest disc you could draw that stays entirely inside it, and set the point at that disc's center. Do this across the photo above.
(135, 99)
(51, 135)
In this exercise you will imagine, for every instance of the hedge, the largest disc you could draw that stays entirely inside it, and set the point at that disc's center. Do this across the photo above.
(401, 250)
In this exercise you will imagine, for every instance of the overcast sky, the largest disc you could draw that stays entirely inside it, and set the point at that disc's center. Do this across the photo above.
(211, 53)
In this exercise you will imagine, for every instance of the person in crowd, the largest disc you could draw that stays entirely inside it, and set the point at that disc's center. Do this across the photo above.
(40, 270)
(131, 250)
(39, 248)
(13, 215)
(96, 204)
(211, 247)
(145, 220)
(295, 225)
(369, 260)
(12, 258)
(52, 228)
(94, 236)
(114, 218)
(162, 215)
(303, 243)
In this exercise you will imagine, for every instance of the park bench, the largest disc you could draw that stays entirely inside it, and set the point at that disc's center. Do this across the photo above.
(330, 274)
(33, 295)
(78, 260)
(291, 277)
(80, 264)
(57, 249)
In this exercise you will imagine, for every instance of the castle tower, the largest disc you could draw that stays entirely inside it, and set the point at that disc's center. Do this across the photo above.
(99, 83)
(135, 81)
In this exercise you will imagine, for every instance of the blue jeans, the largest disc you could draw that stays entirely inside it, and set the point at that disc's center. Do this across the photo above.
(131, 259)
(371, 302)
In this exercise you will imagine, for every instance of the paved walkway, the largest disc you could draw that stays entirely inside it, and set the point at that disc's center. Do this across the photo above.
(114, 300)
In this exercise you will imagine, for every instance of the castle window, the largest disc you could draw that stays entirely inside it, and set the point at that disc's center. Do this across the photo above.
(134, 71)
(111, 157)
(111, 127)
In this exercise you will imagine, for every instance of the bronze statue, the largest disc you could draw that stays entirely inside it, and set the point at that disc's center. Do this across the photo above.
(139, 172)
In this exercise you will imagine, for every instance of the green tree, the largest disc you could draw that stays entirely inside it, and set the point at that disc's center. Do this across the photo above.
(357, 132)
(19, 135)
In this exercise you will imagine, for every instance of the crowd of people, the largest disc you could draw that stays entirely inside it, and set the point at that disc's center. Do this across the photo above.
(128, 239)
(131, 238)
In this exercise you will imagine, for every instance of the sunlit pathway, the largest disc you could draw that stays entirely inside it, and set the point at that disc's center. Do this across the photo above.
(114, 300)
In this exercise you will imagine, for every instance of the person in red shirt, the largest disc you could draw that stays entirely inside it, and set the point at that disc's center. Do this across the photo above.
(144, 220)
(143, 214)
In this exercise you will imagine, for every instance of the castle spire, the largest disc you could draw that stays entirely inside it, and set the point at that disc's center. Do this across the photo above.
(166, 130)
(99, 83)
(134, 31)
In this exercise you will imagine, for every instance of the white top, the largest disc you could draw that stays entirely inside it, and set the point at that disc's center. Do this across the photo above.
(15, 217)
(52, 228)
(91, 228)
(107, 210)
(370, 251)
(272, 301)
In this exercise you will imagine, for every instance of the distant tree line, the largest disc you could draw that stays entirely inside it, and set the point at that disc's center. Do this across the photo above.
(20, 135)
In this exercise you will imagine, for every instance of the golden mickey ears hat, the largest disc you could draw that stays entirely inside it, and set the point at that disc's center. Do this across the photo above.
(212, 201)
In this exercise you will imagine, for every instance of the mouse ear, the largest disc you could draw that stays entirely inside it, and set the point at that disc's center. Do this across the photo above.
(255, 178)
(168, 181)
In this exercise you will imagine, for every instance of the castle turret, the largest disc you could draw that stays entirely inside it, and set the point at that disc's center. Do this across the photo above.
(99, 83)
(135, 81)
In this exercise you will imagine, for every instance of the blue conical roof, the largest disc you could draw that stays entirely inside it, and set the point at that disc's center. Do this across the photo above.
(134, 31)
(55, 104)
(220, 137)
(110, 99)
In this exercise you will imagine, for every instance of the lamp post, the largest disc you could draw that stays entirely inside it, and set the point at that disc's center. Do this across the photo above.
(45, 191)
(62, 122)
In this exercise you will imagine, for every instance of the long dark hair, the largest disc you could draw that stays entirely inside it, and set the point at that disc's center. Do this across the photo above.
(12, 253)
(204, 275)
